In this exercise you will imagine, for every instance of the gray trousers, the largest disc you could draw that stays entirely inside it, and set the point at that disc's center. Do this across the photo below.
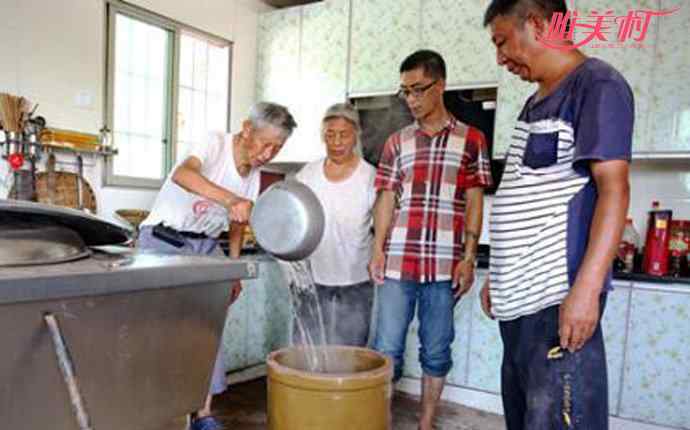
(346, 312)
(148, 241)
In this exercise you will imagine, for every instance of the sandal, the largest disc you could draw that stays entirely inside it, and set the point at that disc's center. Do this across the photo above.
(206, 423)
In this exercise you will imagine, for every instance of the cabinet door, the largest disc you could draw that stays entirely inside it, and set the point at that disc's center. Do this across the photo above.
(656, 380)
(323, 71)
(486, 347)
(635, 64)
(257, 321)
(669, 122)
(384, 32)
(455, 30)
(234, 344)
(278, 56)
(614, 326)
(278, 306)
(277, 66)
(512, 95)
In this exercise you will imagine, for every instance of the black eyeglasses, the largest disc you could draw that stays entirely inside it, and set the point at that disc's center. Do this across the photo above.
(416, 92)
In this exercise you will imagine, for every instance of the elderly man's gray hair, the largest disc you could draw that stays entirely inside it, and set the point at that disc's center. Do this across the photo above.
(265, 114)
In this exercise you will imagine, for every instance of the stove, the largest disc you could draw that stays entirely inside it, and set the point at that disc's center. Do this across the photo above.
(140, 332)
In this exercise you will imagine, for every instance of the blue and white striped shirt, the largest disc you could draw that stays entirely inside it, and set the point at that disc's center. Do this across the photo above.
(543, 208)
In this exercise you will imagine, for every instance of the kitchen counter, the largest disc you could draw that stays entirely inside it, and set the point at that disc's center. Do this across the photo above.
(645, 329)
(643, 277)
(483, 263)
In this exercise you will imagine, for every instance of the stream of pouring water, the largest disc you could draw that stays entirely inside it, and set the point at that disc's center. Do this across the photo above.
(303, 291)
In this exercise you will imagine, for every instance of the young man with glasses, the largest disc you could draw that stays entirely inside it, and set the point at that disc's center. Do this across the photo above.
(427, 221)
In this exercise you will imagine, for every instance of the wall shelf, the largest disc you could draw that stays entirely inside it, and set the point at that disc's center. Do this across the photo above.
(48, 148)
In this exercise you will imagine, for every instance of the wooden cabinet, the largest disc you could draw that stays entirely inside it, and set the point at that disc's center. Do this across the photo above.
(669, 106)
(657, 73)
(455, 30)
(656, 382)
(302, 64)
(312, 56)
(634, 63)
(614, 327)
(486, 346)
(259, 321)
(278, 45)
(383, 33)
(323, 72)
(512, 95)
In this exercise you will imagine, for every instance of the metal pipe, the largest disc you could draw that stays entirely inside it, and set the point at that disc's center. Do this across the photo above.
(67, 370)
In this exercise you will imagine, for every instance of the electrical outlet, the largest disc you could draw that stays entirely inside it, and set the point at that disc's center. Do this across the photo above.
(84, 99)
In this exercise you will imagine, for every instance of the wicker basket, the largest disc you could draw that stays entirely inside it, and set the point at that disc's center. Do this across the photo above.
(61, 189)
(133, 216)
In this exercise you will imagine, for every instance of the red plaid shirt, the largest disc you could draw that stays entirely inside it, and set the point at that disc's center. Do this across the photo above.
(429, 175)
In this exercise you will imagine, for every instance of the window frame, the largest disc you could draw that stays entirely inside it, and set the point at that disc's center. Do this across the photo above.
(112, 9)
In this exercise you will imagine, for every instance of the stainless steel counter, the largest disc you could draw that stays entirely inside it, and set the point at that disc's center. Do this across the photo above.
(143, 331)
(110, 274)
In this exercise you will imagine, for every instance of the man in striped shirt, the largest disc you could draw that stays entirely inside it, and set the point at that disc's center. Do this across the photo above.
(556, 222)
(430, 182)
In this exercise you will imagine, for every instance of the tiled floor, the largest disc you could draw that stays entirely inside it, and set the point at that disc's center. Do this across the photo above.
(243, 407)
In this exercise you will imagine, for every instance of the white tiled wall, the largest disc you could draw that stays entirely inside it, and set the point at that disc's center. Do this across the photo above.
(667, 181)
(54, 50)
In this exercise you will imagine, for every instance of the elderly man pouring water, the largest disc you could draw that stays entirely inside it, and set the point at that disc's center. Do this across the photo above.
(344, 185)
(209, 192)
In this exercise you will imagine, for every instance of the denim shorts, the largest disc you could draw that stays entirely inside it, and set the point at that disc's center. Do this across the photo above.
(395, 309)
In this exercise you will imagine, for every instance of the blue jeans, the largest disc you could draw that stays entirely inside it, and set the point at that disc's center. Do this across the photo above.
(148, 241)
(568, 392)
(395, 309)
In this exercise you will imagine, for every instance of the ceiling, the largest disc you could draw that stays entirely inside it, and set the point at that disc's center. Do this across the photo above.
(288, 3)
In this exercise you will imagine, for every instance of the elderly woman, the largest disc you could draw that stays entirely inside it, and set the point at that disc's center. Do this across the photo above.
(344, 183)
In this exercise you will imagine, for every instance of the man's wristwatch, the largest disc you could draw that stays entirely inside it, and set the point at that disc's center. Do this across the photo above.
(471, 258)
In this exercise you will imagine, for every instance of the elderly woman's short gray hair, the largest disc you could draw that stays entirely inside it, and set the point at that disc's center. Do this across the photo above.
(345, 111)
(348, 113)
(265, 114)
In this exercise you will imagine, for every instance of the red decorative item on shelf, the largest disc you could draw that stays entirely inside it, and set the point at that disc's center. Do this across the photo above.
(656, 246)
(678, 248)
(628, 246)
(16, 161)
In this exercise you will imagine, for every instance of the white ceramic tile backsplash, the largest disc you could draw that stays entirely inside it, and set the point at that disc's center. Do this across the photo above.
(666, 182)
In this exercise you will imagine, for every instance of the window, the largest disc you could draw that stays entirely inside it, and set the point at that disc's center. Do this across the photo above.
(140, 99)
(168, 86)
(202, 90)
